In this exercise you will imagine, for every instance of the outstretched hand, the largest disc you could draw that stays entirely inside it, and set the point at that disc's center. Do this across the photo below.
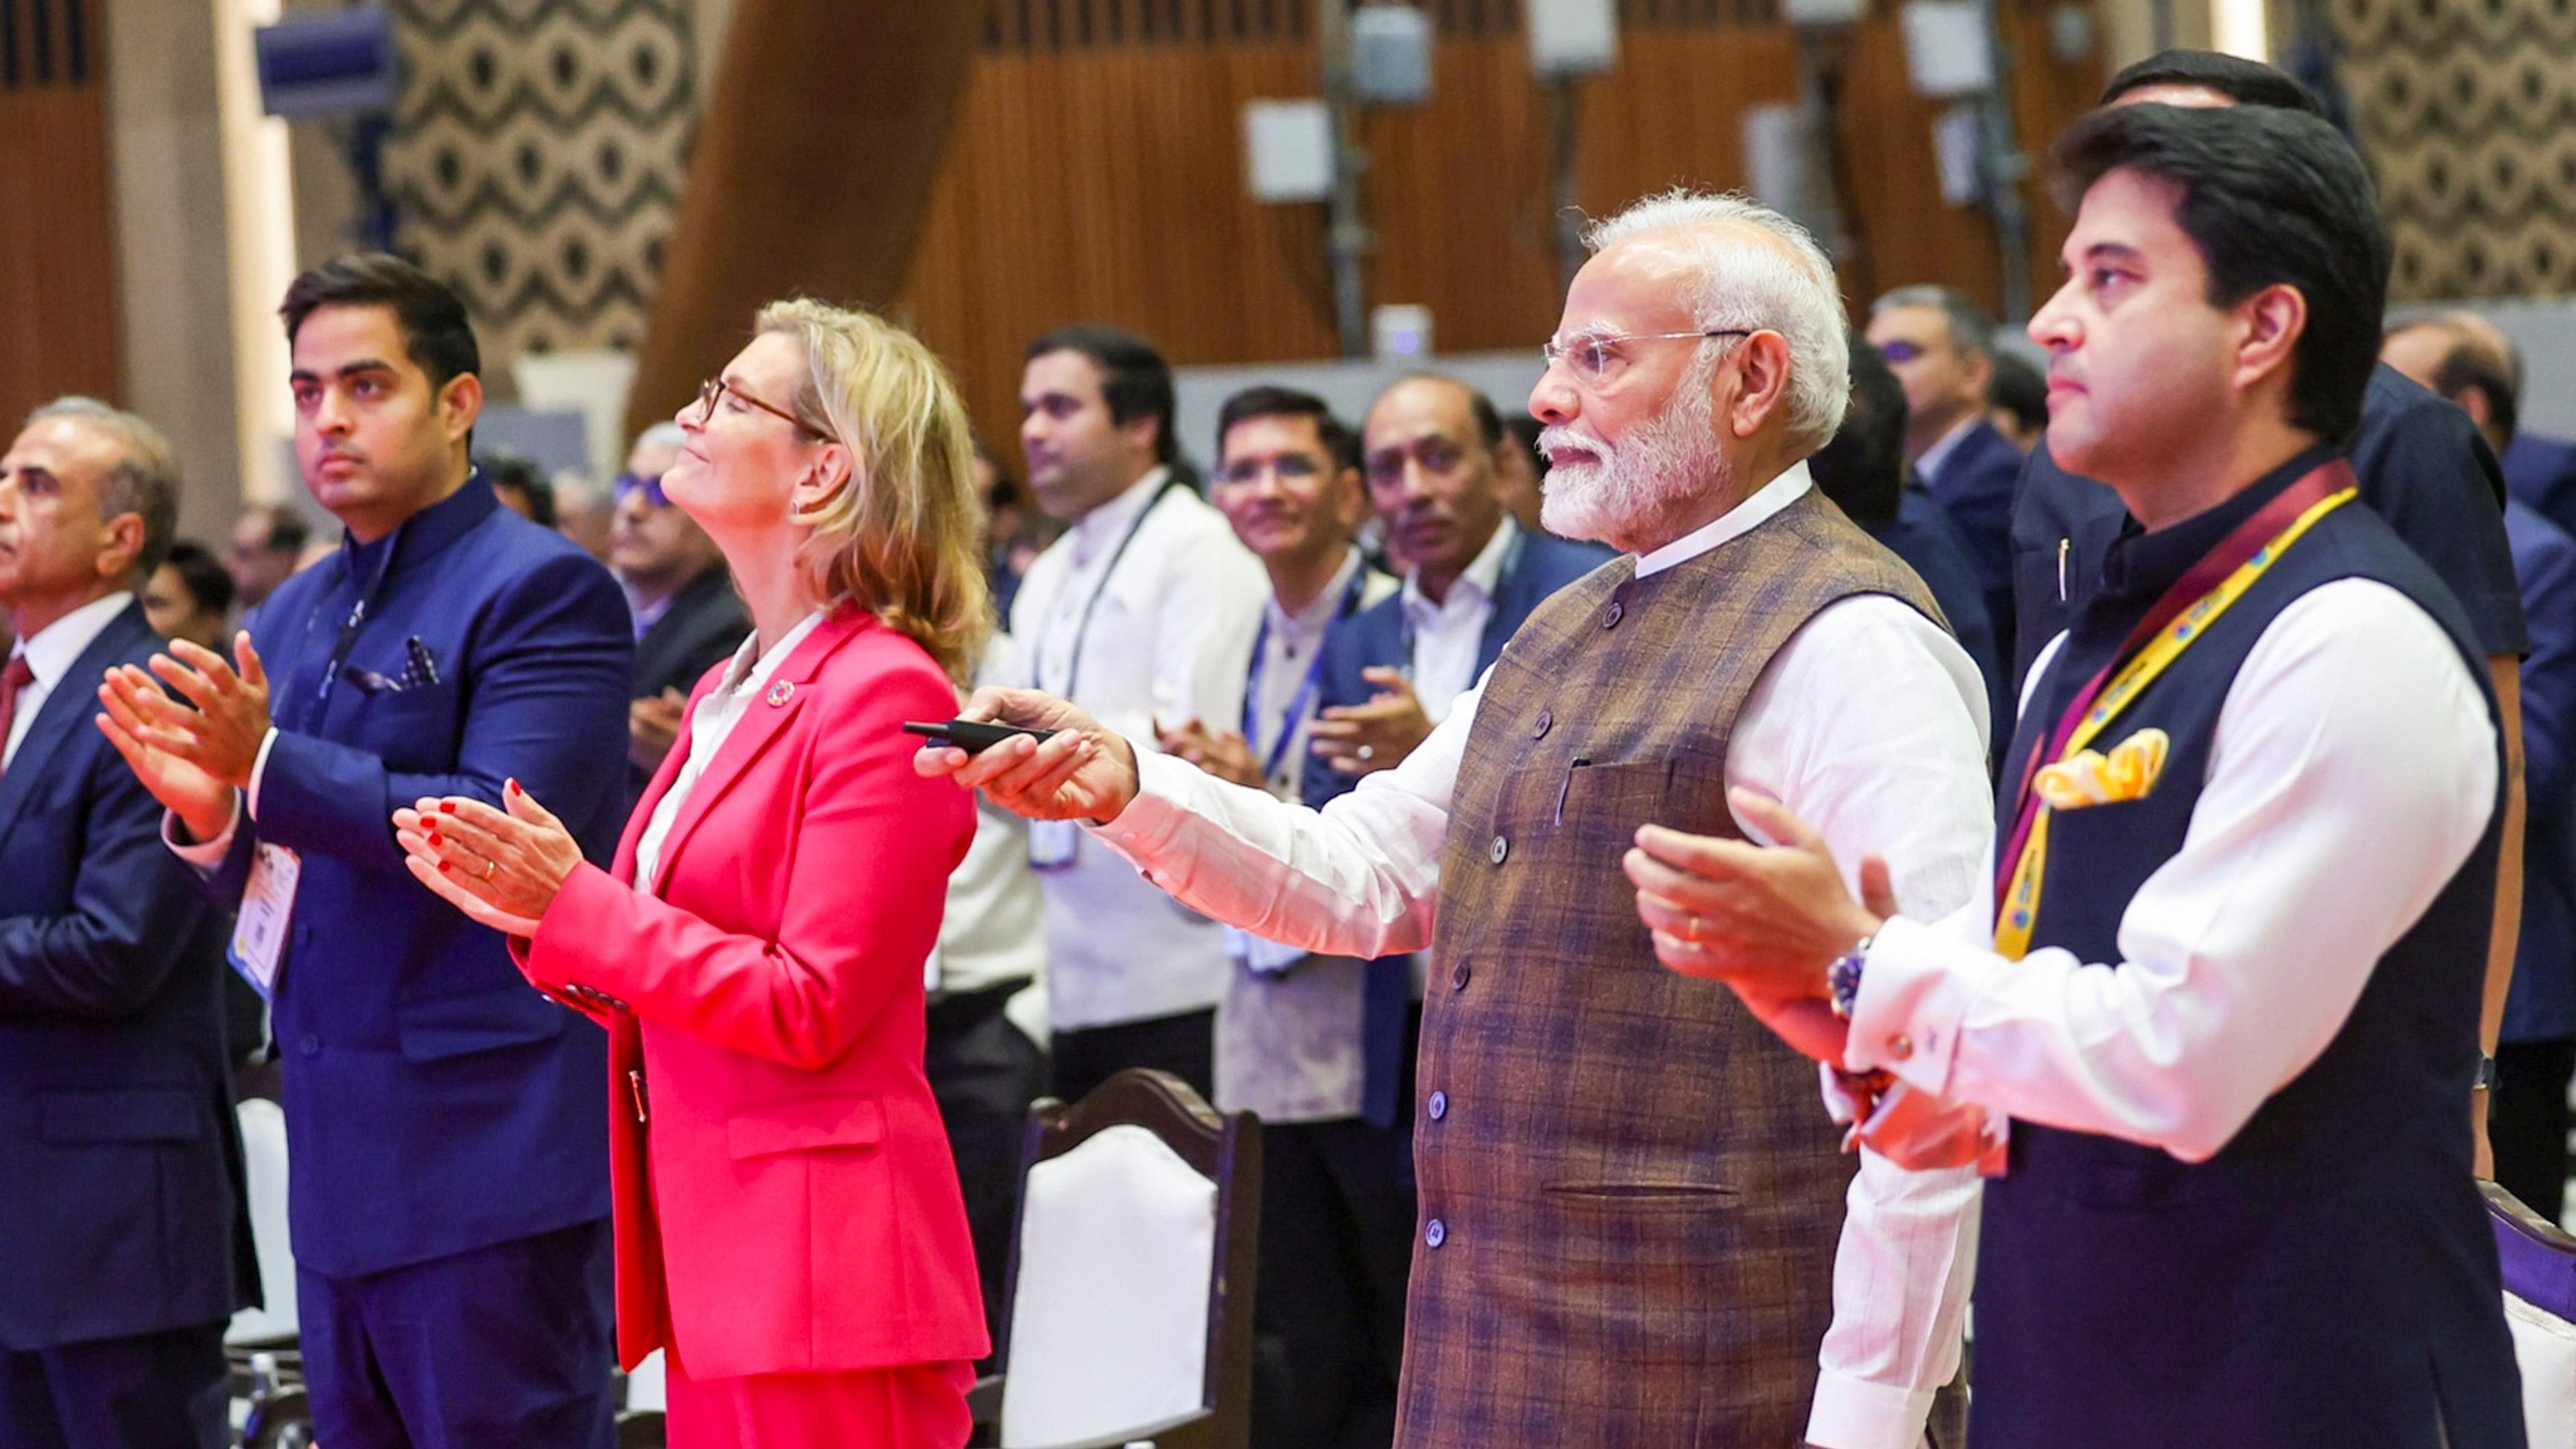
(1085, 772)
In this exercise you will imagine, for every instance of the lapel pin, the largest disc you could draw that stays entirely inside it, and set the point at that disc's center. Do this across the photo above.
(780, 693)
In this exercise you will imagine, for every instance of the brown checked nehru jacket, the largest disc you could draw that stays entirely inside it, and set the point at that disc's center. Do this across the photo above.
(1630, 1193)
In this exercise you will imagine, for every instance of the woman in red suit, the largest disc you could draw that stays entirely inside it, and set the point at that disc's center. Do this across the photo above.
(788, 1220)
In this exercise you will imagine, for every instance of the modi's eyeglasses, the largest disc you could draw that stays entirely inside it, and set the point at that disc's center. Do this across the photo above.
(651, 488)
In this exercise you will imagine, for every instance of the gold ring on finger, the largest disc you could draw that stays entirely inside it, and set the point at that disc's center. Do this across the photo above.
(489, 866)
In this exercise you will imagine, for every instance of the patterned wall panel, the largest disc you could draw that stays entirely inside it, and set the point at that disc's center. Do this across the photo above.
(537, 157)
(2467, 111)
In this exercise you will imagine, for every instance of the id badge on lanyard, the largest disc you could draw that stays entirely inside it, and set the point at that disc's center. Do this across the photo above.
(267, 908)
(1053, 844)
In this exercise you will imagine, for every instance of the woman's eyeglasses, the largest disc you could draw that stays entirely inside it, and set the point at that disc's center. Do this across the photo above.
(715, 388)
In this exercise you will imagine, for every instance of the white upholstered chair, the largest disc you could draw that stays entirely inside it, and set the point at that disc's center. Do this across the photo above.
(1130, 1294)
(263, 1132)
(2540, 1307)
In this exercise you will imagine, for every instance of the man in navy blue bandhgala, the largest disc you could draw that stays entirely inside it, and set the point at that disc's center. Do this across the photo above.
(127, 1242)
(2212, 1028)
(450, 1188)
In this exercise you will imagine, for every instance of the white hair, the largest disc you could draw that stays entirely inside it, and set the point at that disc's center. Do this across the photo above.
(1740, 282)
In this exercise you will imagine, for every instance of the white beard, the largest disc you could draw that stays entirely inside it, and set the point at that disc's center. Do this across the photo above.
(1669, 458)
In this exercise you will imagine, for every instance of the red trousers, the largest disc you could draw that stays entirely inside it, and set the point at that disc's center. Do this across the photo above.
(912, 1406)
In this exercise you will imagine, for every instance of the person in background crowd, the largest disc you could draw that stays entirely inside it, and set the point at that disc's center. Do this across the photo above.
(128, 1234)
(1520, 470)
(189, 596)
(1130, 613)
(790, 1226)
(2227, 984)
(2536, 1047)
(266, 548)
(1941, 346)
(1863, 471)
(688, 619)
(1336, 1198)
(521, 486)
(1015, 532)
(2422, 467)
(2539, 471)
(2017, 399)
(585, 512)
(1432, 452)
(1629, 1199)
(449, 1202)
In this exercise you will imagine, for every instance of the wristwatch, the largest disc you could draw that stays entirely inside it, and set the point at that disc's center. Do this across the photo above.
(1842, 978)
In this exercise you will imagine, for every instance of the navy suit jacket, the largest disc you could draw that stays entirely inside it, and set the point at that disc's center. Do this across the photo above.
(1923, 536)
(2541, 1006)
(1976, 488)
(122, 1191)
(434, 1103)
(2542, 472)
(1375, 636)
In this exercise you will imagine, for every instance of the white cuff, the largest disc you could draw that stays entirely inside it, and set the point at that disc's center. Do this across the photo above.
(207, 856)
(1855, 1413)
(1915, 985)
(1146, 825)
(259, 768)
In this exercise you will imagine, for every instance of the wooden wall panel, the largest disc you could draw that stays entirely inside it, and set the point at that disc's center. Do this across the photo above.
(1104, 181)
(57, 249)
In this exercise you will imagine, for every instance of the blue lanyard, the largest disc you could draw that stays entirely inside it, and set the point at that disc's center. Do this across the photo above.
(310, 716)
(1305, 697)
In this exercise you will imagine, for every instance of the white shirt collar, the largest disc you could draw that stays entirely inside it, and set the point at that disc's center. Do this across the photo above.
(752, 666)
(1929, 465)
(53, 649)
(1483, 578)
(1317, 616)
(1735, 522)
(1103, 526)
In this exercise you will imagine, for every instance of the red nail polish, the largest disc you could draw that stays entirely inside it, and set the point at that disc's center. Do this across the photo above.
(442, 867)
(447, 807)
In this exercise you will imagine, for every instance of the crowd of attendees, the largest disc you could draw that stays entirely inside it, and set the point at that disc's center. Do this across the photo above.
(1304, 617)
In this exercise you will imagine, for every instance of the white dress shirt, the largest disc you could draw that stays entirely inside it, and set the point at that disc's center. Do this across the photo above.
(2353, 771)
(709, 726)
(51, 652)
(1870, 724)
(1447, 635)
(1164, 643)
(994, 930)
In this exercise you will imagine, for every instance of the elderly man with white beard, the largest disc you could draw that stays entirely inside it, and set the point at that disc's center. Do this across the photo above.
(1635, 1231)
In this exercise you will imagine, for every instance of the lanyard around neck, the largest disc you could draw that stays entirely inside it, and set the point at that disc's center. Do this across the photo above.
(1082, 627)
(1306, 691)
(2180, 618)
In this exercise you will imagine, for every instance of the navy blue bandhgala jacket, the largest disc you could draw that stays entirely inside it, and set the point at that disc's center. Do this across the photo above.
(434, 1103)
(121, 1205)
(2329, 1277)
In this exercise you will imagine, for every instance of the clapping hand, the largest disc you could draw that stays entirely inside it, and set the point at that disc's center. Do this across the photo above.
(501, 869)
(1223, 754)
(191, 756)
(1358, 739)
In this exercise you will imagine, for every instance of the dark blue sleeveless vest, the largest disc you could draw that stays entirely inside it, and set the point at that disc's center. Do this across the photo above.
(2328, 1278)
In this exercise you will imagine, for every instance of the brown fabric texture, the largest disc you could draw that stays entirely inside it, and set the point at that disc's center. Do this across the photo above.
(1636, 1189)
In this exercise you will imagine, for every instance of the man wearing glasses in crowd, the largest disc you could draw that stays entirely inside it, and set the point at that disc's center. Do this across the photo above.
(687, 617)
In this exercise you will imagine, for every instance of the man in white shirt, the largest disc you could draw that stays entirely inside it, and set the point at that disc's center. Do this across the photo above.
(1128, 614)
(2225, 990)
(128, 1235)
(1336, 1198)
(1627, 1239)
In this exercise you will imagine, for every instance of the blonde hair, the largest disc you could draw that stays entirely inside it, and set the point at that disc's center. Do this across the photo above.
(902, 536)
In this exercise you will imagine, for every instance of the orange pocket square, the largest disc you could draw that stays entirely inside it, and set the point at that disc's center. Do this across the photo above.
(2128, 772)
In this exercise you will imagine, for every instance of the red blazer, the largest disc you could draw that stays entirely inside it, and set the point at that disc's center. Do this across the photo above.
(792, 1205)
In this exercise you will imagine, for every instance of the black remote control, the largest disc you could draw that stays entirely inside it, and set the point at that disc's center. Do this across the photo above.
(972, 736)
